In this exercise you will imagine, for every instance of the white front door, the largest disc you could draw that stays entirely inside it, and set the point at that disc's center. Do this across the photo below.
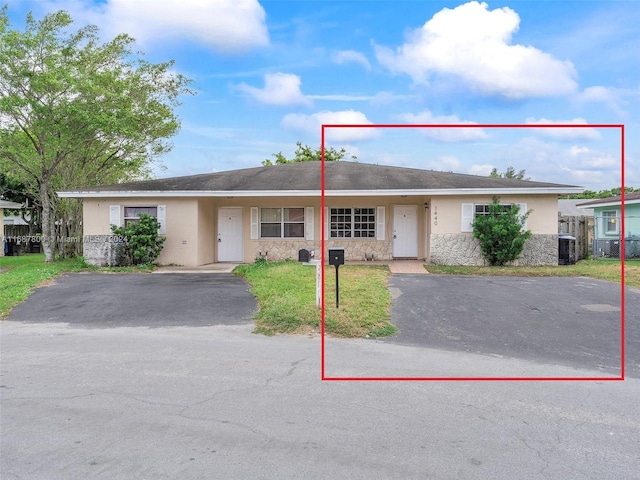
(405, 231)
(230, 245)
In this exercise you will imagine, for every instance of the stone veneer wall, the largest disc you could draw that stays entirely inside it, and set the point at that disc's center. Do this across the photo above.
(99, 250)
(280, 249)
(461, 249)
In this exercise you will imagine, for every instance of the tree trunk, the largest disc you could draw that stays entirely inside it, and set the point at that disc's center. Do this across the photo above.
(47, 231)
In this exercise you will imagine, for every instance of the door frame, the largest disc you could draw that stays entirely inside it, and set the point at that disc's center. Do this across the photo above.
(218, 231)
(415, 239)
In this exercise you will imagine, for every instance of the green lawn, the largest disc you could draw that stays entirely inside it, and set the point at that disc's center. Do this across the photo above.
(286, 296)
(20, 275)
(602, 269)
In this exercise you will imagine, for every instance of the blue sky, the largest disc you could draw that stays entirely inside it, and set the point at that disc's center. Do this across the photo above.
(269, 73)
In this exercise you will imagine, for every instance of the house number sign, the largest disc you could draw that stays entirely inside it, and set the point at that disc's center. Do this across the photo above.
(435, 215)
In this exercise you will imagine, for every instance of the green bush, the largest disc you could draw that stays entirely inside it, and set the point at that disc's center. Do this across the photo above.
(141, 244)
(501, 232)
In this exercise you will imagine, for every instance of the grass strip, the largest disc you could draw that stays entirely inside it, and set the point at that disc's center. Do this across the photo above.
(601, 269)
(286, 296)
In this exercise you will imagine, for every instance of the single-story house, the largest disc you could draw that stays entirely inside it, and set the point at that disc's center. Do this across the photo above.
(372, 211)
(608, 218)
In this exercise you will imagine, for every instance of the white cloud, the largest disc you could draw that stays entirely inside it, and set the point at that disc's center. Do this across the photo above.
(472, 43)
(483, 170)
(566, 133)
(451, 134)
(279, 89)
(313, 123)
(446, 163)
(226, 26)
(610, 97)
(351, 56)
(576, 151)
(586, 159)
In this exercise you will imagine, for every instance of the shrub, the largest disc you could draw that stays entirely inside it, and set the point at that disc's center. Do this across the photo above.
(141, 243)
(501, 232)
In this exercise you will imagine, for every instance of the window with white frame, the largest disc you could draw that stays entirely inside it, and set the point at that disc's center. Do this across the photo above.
(472, 210)
(353, 223)
(610, 221)
(132, 214)
(282, 222)
(483, 209)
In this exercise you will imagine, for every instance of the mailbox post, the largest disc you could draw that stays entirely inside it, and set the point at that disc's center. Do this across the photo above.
(336, 258)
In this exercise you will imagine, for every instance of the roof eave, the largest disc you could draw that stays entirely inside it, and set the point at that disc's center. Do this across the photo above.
(559, 190)
(609, 204)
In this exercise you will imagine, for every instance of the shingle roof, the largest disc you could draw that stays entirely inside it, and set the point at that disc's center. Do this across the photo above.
(568, 207)
(617, 199)
(338, 176)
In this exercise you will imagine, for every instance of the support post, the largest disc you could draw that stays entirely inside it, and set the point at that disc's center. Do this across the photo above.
(337, 288)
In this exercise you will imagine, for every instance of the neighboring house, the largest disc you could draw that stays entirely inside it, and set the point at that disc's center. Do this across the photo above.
(371, 211)
(608, 221)
(9, 205)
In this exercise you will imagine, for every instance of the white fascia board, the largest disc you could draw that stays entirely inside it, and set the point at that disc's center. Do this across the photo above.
(189, 193)
(328, 193)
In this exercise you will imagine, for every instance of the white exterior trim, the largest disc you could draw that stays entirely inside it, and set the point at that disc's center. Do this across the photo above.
(327, 193)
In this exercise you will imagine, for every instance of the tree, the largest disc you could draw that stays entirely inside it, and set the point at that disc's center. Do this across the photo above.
(141, 244)
(75, 110)
(510, 173)
(305, 153)
(613, 192)
(501, 232)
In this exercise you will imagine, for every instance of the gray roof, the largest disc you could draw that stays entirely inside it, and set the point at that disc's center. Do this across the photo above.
(338, 176)
(616, 199)
(8, 204)
(568, 207)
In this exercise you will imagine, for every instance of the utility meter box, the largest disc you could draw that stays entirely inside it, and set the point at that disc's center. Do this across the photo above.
(336, 256)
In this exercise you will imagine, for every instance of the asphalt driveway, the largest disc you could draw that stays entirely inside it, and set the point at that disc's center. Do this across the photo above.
(140, 300)
(566, 321)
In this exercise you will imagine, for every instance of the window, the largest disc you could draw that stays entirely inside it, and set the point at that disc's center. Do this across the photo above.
(131, 214)
(353, 223)
(282, 222)
(470, 211)
(483, 209)
(610, 221)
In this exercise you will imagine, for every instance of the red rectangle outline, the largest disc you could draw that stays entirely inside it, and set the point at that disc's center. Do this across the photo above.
(324, 377)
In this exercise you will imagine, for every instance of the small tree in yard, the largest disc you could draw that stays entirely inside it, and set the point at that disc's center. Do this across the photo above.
(501, 232)
(141, 243)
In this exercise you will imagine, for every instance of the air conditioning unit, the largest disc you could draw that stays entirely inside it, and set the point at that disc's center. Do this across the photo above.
(612, 248)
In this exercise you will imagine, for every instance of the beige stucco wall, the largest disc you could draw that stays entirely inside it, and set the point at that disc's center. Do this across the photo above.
(181, 246)
(191, 223)
(206, 230)
(447, 212)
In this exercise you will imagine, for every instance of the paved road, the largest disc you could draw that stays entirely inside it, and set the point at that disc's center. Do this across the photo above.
(223, 403)
(187, 400)
(560, 321)
(141, 300)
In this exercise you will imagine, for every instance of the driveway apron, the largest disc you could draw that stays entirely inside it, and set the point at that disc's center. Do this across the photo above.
(140, 300)
(568, 321)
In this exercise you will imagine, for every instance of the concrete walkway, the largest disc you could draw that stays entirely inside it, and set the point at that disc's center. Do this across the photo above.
(396, 266)
(210, 268)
